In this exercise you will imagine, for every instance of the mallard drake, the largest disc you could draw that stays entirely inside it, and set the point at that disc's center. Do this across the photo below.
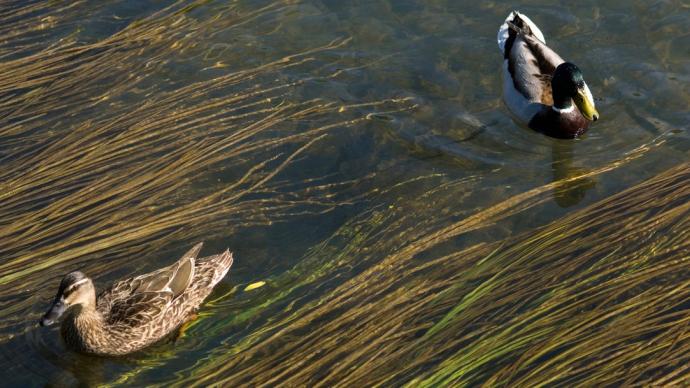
(539, 87)
(135, 312)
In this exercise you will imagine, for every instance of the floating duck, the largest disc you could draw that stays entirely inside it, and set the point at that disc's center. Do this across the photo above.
(541, 89)
(136, 312)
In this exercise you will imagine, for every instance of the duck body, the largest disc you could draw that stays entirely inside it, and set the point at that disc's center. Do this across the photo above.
(136, 312)
(541, 89)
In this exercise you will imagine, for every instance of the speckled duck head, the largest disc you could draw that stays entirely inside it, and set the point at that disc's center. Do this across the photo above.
(76, 290)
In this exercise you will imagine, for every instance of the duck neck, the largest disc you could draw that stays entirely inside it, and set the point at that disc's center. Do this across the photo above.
(561, 102)
(83, 329)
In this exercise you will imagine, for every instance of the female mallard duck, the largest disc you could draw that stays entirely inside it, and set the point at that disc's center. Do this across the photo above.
(539, 87)
(135, 312)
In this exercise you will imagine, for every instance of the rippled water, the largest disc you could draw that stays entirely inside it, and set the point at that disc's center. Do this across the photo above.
(446, 149)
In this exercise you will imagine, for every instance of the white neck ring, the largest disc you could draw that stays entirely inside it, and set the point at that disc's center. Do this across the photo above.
(564, 110)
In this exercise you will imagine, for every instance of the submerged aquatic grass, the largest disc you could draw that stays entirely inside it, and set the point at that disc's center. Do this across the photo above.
(119, 182)
(609, 300)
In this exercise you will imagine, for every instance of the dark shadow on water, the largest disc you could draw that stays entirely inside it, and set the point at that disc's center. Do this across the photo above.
(568, 192)
(42, 359)
(78, 370)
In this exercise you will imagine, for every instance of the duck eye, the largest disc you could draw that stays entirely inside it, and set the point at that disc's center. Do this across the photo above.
(67, 293)
(71, 288)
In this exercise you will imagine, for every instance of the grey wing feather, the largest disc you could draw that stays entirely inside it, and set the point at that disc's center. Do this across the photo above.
(547, 58)
(524, 67)
(174, 278)
(531, 64)
(183, 277)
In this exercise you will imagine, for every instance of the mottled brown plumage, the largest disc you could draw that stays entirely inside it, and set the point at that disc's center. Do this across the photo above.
(136, 312)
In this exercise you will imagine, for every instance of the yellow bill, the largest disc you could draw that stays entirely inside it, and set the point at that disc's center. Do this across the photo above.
(585, 103)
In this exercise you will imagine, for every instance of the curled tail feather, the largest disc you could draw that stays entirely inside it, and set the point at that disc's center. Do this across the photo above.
(516, 23)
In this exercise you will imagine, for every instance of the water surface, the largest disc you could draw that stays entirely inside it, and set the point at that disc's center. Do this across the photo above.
(407, 136)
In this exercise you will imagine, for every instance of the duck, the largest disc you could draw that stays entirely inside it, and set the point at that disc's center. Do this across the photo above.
(136, 312)
(542, 90)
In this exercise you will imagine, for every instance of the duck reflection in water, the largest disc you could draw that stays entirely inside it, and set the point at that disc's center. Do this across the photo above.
(569, 190)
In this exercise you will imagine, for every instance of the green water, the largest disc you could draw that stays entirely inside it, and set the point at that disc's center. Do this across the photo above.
(449, 151)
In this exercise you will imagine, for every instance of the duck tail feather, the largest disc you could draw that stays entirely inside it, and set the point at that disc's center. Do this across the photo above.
(516, 23)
